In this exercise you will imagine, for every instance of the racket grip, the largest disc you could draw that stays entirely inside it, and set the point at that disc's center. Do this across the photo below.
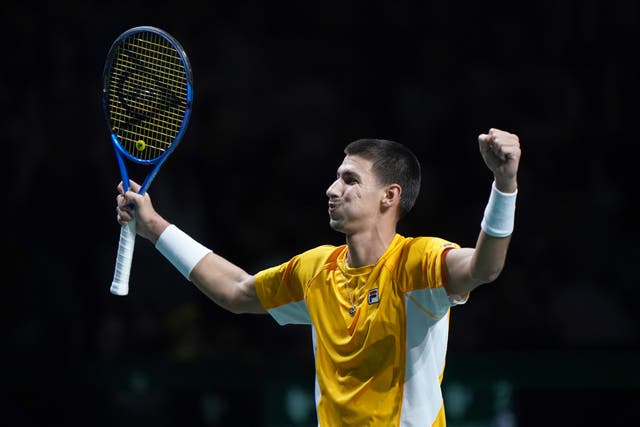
(120, 284)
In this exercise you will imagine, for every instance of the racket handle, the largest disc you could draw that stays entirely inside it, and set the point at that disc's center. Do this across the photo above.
(120, 284)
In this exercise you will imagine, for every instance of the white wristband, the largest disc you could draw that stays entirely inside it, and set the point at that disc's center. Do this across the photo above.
(499, 214)
(179, 248)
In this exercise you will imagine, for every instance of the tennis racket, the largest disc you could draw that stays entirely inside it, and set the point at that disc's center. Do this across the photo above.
(147, 97)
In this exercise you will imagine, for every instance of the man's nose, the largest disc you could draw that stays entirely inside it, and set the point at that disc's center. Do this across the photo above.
(332, 191)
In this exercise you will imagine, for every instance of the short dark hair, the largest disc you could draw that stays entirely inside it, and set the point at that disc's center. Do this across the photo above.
(393, 163)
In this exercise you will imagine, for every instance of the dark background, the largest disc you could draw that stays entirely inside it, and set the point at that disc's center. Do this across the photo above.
(280, 88)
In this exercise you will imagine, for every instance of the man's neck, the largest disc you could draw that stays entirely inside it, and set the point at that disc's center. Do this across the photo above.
(367, 248)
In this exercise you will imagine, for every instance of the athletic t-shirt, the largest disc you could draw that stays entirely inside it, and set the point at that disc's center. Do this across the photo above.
(379, 331)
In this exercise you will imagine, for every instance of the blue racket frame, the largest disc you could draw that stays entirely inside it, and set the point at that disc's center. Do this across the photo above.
(121, 153)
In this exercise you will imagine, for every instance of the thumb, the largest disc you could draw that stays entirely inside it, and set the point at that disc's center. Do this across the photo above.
(134, 186)
(132, 196)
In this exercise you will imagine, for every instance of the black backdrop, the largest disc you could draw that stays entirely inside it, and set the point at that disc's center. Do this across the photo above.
(279, 90)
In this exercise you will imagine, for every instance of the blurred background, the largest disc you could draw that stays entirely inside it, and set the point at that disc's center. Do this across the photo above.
(280, 89)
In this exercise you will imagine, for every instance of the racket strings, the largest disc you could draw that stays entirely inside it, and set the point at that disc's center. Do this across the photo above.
(147, 94)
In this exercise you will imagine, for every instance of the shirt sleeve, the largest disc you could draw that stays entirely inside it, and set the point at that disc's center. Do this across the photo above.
(282, 289)
(281, 295)
(424, 275)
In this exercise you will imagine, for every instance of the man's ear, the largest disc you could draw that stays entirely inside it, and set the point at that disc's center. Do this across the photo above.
(391, 196)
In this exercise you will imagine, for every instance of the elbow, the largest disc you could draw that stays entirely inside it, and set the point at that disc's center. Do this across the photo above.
(232, 298)
(487, 276)
(493, 276)
(234, 309)
(226, 302)
(244, 298)
(234, 303)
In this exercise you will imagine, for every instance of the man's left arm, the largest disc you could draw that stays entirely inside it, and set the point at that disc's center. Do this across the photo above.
(468, 268)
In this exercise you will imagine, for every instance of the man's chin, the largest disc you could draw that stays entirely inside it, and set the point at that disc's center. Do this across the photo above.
(336, 225)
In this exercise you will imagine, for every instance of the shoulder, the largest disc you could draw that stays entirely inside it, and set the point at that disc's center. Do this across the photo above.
(418, 253)
(302, 267)
(309, 260)
(322, 250)
(423, 244)
(319, 256)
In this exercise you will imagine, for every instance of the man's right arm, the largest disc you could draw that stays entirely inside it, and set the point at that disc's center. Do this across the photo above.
(223, 282)
(226, 284)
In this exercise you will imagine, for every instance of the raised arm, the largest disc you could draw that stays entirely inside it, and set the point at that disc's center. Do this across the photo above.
(226, 284)
(467, 268)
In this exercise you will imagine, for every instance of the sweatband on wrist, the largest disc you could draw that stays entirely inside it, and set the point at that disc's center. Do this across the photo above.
(180, 249)
(499, 214)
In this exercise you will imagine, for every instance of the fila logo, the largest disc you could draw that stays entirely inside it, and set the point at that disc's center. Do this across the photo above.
(373, 296)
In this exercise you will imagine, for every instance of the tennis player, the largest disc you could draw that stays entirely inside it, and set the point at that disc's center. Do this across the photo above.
(378, 305)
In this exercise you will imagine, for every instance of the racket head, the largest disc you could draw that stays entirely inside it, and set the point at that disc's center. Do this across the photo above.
(147, 94)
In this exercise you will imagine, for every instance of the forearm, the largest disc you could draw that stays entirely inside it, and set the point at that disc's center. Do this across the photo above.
(223, 282)
(468, 268)
(488, 258)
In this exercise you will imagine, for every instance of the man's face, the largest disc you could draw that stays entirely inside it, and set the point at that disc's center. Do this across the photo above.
(355, 196)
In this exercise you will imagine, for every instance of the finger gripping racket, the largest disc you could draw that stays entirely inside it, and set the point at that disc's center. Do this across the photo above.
(147, 97)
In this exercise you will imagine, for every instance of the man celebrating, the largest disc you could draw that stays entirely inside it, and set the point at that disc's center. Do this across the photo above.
(379, 304)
